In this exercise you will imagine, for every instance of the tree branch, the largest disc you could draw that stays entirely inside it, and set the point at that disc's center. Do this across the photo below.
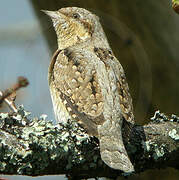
(9, 94)
(37, 147)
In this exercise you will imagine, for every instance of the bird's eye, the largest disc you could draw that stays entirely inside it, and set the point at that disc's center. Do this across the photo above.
(76, 16)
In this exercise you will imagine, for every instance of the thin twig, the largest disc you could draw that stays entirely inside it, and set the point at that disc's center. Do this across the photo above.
(9, 94)
(10, 103)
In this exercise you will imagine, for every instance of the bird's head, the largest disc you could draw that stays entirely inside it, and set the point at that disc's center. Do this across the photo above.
(73, 25)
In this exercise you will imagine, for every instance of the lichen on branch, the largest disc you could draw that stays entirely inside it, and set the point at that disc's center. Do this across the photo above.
(35, 146)
(30, 147)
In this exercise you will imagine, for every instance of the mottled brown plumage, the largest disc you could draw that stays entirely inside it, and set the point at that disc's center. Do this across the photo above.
(88, 84)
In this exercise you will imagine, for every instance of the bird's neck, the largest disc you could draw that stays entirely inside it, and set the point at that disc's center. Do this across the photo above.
(65, 41)
(98, 39)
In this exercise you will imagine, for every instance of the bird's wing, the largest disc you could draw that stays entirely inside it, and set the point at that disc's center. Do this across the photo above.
(76, 80)
(123, 90)
(117, 106)
(122, 86)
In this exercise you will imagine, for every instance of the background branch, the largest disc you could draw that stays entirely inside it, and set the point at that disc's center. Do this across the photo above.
(9, 94)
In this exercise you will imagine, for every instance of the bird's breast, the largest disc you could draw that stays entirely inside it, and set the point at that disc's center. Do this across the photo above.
(61, 113)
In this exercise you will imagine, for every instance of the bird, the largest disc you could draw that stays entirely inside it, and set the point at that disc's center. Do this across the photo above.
(87, 83)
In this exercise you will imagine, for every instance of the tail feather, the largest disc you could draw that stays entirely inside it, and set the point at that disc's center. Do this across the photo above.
(112, 149)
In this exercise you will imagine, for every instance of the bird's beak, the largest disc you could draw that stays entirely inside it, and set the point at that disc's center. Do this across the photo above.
(52, 14)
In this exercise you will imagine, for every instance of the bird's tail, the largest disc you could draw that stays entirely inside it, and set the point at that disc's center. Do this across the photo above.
(112, 149)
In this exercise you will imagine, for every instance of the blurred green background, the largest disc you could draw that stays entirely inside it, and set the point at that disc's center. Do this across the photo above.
(144, 35)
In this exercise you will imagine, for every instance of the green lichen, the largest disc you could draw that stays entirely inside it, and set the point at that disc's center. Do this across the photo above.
(146, 145)
(159, 117)
(2, 166)
(173, 134)
(159, 152)
(25, 168)
(28, 146)
(4, 115)
(174, 118)
(153, 149)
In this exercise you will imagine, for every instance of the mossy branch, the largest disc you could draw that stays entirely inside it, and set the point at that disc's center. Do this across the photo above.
(37, 147)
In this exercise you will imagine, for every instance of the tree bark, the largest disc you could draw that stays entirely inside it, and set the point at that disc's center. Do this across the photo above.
(37, 147)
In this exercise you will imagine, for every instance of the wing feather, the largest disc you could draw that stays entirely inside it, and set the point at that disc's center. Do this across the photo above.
(75, 80)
